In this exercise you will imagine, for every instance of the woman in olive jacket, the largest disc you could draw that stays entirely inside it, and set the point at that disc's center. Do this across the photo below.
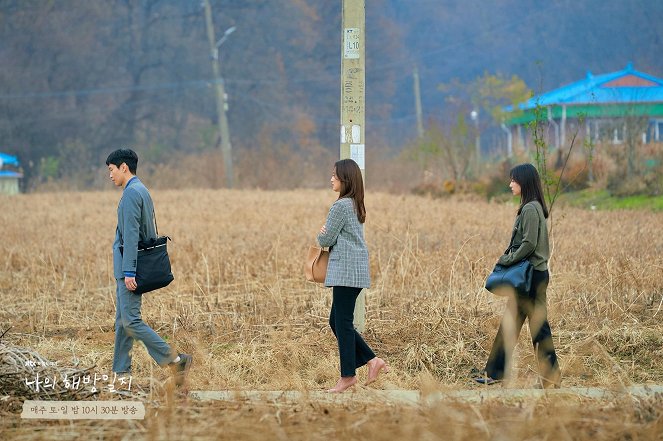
(530, 240)
(347, 272)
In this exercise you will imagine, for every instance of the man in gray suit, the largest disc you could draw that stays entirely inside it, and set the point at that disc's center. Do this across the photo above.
(135, 223)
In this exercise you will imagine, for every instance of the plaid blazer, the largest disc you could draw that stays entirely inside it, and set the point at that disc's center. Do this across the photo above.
(348, 255)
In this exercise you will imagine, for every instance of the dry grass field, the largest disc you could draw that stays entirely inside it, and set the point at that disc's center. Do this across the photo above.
(241, 306)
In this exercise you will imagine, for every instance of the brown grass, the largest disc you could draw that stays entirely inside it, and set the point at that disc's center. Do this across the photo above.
(241, 306)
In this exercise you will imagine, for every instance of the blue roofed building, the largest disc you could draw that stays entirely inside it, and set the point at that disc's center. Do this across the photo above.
(9, 174)
(603, 107)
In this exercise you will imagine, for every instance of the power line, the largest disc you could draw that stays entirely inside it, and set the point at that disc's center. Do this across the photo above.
(109, 90)
(418, 56)
(273, 110)
(89, 110)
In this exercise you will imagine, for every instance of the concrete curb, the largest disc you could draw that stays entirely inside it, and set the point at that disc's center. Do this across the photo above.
(414, 397)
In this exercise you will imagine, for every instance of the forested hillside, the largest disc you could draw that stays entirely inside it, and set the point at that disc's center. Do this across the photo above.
(81, 77)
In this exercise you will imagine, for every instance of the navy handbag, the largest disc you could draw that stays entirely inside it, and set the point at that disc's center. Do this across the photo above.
(518, 276)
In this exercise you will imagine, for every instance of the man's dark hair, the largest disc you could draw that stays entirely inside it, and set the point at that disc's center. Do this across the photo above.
(126, 156)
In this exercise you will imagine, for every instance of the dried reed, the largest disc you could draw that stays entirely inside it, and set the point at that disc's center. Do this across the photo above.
(241, 306)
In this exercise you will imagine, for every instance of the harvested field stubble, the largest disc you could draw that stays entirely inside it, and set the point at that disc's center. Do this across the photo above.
(546, 419)
(240, 305)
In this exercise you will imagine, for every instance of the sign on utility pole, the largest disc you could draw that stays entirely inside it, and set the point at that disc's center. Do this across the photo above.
(226, 148)
(353, 76)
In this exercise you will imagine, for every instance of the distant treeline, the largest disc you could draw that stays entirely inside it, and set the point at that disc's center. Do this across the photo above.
(80, 78)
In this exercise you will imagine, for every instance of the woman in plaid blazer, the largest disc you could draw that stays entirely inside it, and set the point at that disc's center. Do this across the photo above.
(347, 272)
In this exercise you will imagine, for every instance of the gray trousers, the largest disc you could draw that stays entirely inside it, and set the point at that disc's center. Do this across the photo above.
(129, 326)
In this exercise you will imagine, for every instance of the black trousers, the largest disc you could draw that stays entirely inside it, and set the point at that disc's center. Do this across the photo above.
(353, 350)
(520, 307)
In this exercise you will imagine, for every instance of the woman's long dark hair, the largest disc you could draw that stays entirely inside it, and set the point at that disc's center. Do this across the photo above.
(528, 178)
(352, 185)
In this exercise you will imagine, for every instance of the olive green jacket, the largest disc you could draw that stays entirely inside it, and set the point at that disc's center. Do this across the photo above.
(530, 239)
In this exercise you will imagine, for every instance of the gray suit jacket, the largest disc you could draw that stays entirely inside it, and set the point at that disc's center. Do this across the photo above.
(348, 256)
(135, 222)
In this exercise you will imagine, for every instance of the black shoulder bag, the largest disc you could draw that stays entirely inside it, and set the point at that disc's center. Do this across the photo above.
(153, 264)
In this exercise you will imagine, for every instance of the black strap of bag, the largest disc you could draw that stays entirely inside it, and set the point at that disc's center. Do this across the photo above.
(154, 216)
(155, 242)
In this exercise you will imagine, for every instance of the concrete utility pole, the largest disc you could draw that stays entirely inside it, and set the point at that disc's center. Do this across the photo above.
(224, 132)
(353, 80)
(509, 140)
(474, 115)
(417, 103)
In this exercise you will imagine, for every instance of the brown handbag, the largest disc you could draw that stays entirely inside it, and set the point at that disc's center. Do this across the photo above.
(315, 267)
